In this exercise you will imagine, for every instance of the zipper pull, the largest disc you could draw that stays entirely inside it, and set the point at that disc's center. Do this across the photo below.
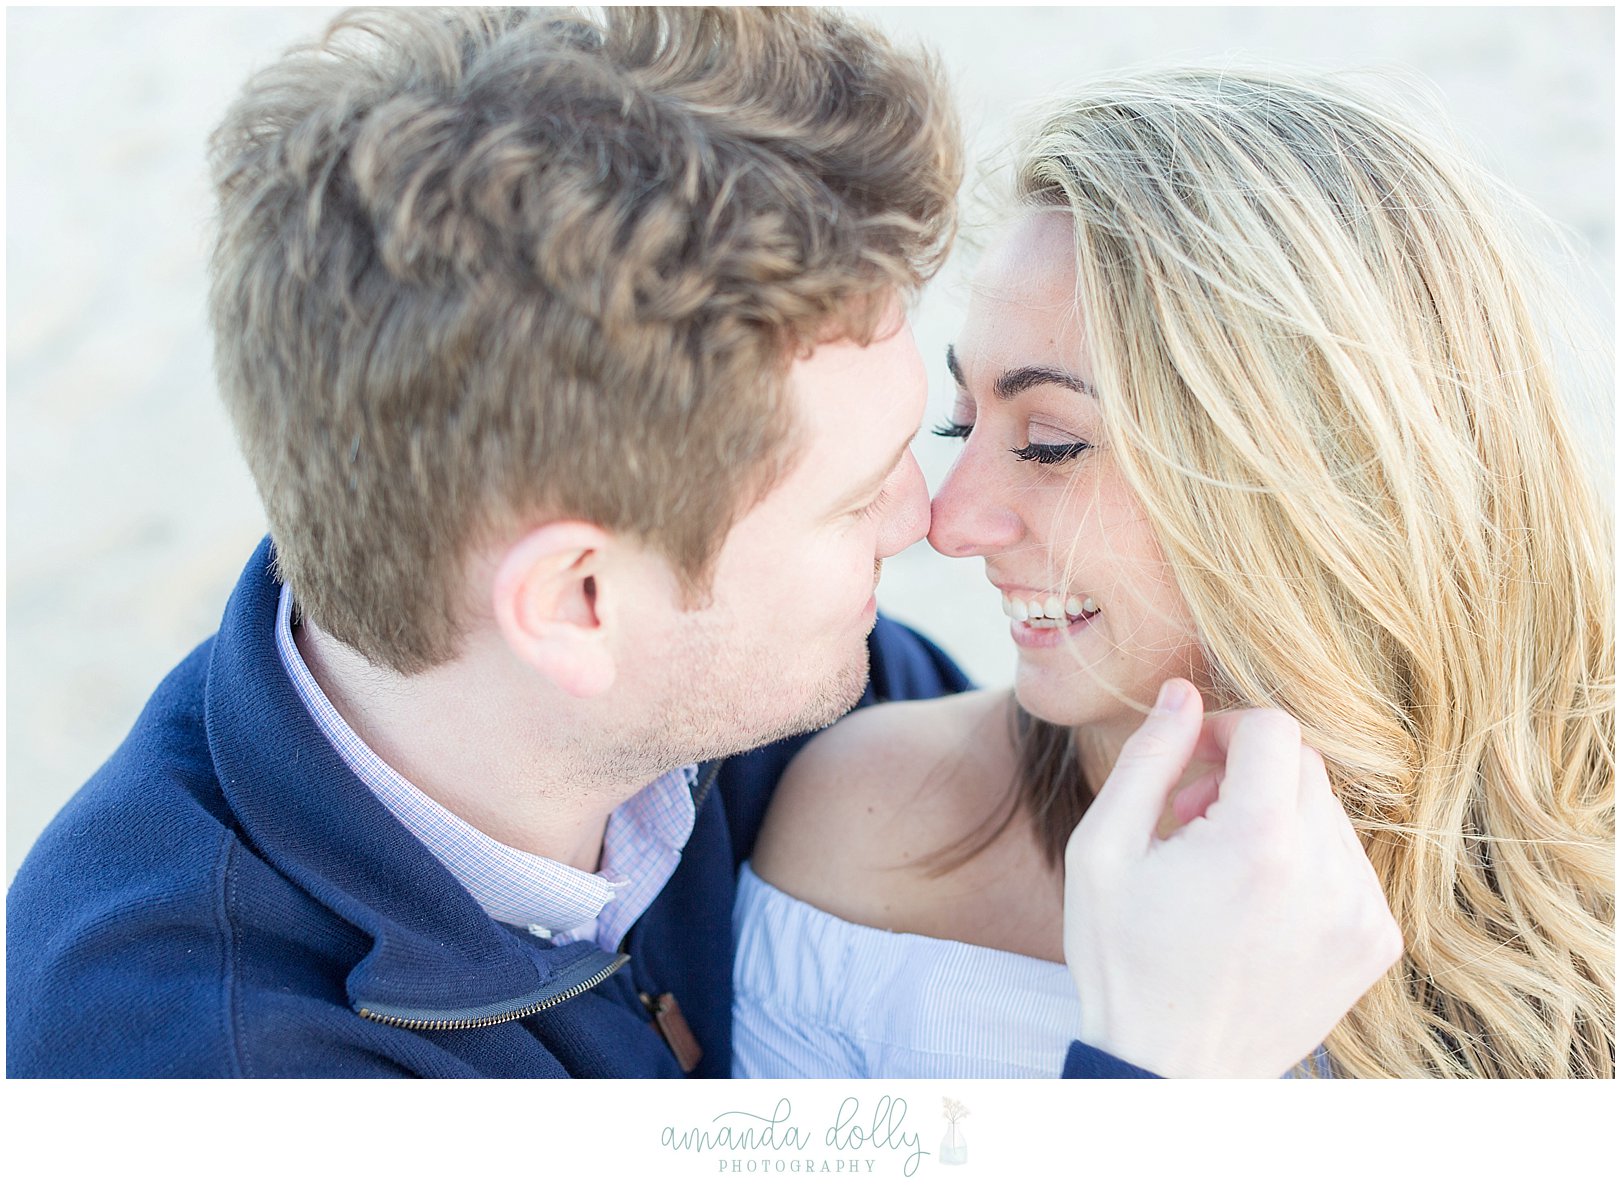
(669, 1023)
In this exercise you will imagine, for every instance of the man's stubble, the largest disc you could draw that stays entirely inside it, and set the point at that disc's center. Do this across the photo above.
(721, 698)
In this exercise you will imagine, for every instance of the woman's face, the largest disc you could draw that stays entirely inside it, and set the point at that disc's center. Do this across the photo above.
(1093, 611)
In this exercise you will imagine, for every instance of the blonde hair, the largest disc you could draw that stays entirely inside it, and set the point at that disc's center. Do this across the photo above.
(475, 266)
(1321, 372)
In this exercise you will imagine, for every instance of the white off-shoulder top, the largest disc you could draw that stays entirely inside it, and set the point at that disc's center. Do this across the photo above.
(816, 996)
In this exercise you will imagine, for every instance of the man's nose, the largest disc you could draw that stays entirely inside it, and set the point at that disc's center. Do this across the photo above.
(908, 521)
(970, 516)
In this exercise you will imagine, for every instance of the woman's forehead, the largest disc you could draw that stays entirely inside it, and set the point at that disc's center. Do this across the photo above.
(1022, 302)
(1040, 234)
(1031, 261)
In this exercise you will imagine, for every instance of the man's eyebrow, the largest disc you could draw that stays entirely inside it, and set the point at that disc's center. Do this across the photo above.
(862, 492)
(1010, 384)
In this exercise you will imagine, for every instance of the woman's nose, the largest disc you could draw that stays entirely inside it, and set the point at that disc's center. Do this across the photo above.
(970, 515)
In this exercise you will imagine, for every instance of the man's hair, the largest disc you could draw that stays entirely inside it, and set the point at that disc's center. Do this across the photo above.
(476, 267)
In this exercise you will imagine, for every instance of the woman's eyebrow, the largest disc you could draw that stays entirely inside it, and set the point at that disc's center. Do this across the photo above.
(1010, 384)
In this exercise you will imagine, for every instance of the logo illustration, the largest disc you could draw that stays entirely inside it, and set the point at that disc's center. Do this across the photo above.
(954, 1146)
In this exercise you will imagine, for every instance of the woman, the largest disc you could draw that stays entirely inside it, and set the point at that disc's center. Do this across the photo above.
(1250, 394)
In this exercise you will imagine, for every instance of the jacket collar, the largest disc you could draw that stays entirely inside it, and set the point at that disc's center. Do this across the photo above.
(435, 953)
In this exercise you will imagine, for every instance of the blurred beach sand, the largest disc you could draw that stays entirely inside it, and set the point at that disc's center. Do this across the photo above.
(129, 512)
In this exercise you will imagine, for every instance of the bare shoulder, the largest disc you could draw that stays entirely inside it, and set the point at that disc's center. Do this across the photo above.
(880, 789)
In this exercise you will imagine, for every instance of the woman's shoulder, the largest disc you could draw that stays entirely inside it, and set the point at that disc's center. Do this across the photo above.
(885, 786)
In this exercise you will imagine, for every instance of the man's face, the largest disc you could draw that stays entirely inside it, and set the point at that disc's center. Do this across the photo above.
(780, 646)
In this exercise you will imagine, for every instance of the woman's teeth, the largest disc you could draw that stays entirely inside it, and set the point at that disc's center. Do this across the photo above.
(1051, 612)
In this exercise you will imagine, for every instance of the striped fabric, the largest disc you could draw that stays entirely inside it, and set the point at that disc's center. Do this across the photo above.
(816, 996)
(641, 848)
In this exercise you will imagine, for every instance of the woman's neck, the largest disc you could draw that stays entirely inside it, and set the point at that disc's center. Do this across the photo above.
(1097, 748)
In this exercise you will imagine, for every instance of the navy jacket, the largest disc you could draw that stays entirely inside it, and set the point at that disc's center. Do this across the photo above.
(226, 898)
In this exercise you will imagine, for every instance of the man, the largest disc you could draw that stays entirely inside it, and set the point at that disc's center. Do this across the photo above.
(569, 360)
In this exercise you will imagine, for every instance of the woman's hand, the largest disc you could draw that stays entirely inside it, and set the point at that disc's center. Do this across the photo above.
(1231, 947)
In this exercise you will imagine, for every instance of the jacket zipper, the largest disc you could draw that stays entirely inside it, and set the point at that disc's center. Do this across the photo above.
(506, 1017)
(702, 792)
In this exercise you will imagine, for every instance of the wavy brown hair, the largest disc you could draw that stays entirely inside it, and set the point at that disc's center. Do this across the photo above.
(1321, 352)
(476, 266)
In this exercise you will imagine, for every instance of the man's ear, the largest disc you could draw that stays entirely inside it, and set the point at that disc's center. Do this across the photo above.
(547, 608)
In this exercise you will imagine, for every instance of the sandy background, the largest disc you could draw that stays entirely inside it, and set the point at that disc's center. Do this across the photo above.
(129, 515)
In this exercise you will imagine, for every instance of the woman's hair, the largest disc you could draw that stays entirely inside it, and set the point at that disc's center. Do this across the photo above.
(1321, 372)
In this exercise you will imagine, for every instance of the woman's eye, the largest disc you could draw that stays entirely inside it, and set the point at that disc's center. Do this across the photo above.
(1045, 453)
(1050, 455)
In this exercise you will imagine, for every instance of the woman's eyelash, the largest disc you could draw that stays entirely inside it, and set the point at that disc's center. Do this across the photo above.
(1046, 455)
(1051, 455)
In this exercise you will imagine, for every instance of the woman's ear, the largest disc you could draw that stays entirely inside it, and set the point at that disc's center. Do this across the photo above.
(547, 605)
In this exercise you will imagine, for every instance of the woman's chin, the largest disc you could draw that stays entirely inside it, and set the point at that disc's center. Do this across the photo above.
(1063, 708)
(1079, 704)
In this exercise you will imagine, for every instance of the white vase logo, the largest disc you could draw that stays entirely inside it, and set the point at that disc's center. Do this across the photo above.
(954, 1144)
